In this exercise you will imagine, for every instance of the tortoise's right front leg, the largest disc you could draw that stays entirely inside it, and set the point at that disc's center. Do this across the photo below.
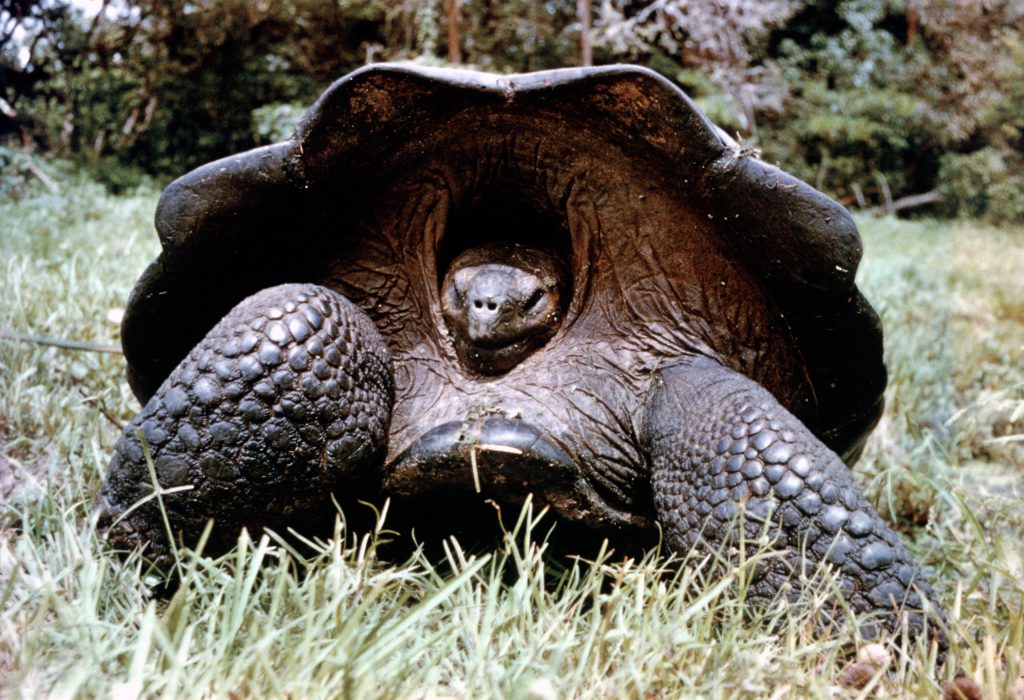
(286, 400)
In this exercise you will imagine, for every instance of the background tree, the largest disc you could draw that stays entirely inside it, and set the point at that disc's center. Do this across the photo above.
(715, 46)
(166, 84)
(976, 84)
(870, 100)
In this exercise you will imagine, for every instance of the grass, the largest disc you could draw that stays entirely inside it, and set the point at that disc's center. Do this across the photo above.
(327, 619)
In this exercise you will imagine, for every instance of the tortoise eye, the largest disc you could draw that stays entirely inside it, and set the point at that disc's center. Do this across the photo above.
(456, 295)
(534, 299)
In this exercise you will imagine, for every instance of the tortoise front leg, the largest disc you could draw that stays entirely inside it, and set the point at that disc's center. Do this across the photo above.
(725, 454)
(286, 400)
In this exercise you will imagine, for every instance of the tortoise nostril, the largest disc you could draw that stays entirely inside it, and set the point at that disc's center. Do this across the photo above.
(491, 305)
(478, 304)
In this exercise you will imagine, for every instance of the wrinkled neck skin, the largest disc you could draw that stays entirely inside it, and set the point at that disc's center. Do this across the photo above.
(648, 284)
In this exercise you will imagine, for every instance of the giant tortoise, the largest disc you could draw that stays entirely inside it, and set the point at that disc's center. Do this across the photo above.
(449, 288)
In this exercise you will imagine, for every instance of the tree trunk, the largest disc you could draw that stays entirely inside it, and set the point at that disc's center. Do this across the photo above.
(586, 50)
(454, 52)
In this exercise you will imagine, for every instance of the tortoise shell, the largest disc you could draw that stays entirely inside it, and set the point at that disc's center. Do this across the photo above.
(678, 243)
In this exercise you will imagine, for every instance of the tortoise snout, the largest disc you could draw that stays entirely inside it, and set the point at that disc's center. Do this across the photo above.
(485, 306)
(497, 302)
(486, 315)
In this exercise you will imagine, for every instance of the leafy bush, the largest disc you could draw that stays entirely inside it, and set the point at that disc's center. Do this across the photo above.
(1006, 201)
(854, 123)
(841, 139)
(22, 173)
(997, 170)
(860, 97)
(118, 177)
(985, 184)
(275, 122)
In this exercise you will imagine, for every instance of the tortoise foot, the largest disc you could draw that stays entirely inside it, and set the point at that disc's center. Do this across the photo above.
(286, 401)
(728, 460)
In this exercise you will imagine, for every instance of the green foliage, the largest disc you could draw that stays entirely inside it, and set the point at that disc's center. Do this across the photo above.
(842, 139)
(862, 98)
(967, 180)
(846, 43)
(866, 99)
(17, 173)
(167, 85)
(988, 182)
(119, 177)
(706, 94)
(276, 121)
(519, 35)
(853, 120)
(1006, 201)
(725, 40)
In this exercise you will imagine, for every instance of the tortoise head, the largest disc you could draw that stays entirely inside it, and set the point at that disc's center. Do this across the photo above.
(502, 301)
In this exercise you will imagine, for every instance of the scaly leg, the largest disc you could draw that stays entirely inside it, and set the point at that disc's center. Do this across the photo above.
(725, 454)
(286, 400)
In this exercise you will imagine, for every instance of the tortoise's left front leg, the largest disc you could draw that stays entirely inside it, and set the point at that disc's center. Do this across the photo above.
(725, 455)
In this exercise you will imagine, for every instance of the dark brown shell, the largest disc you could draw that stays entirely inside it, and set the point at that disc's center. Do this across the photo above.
(286, 212)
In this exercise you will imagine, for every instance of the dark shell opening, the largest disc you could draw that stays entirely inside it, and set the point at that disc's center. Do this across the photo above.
(507, 214)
